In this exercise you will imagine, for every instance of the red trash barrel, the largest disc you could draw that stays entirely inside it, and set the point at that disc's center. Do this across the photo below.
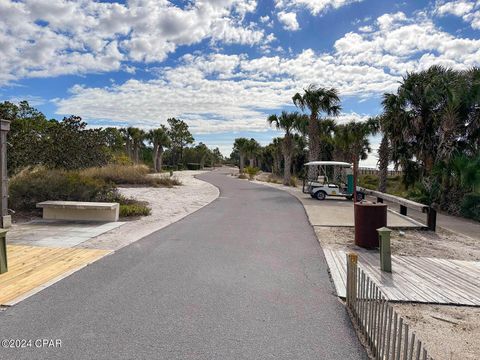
(369, 217)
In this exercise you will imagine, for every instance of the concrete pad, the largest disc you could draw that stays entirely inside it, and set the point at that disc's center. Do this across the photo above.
(57, 233)
(339, 211)
(332, 212)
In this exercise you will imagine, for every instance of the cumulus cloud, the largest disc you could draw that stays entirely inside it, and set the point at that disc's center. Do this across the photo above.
(289, 20)
(42, 38)
(314, 6)
(469, 11)
(218, 92)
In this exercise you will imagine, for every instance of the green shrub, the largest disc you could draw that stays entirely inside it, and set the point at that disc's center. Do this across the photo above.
(394, 184)
(293, 181)
(368, 181)
(194, 166)
(136, 209)
(129, 175)
(119, 174)
(242, 176)
(166, 181)
(251, 171)
(470, 206)
(31, 186)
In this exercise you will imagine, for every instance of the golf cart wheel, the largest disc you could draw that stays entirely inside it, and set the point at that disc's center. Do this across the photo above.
(320, 195)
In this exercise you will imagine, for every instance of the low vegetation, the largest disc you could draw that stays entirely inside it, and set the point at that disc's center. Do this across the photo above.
(33, 185)
(395, 185)
(129, 175)
(251, 171)
(134, 208)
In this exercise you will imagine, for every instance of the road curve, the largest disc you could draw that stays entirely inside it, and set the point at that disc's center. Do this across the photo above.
(242, 278)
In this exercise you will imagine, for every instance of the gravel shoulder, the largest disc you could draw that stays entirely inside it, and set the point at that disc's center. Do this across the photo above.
(168, 206)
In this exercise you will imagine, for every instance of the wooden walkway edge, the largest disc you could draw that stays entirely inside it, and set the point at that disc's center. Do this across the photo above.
(413, 279)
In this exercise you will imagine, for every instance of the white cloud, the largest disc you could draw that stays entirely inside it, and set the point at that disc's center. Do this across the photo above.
(218, 92)
(469, 11)
(289, 20)
(41, 38)
(314, 6)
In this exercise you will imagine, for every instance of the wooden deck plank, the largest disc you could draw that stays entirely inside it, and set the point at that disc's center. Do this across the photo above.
(449, 281)
(31, 267)
(417, 279)
(335, 273)
(404, 289)
(438, 288)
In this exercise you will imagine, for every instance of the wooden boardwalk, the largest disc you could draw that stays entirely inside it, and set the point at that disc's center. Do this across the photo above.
(31, 268)
(413, 279)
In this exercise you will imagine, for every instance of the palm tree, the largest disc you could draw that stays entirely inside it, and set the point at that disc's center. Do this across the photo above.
(352, 139)
(241, 144)
(159, 139)
(317, 101)
(252, 150)
(287, 122)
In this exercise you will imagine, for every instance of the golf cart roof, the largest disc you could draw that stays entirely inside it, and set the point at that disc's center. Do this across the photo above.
(331, 163)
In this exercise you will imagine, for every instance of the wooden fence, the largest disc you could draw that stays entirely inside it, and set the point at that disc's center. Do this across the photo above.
(374, 171)
(385, 332)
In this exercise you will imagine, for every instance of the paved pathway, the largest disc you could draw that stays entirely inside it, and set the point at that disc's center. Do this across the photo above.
(242, 278)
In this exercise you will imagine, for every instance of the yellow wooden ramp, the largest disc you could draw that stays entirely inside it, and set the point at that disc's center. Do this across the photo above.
(31, 269)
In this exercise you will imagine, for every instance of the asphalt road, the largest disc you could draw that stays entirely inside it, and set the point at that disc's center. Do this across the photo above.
(242, 278)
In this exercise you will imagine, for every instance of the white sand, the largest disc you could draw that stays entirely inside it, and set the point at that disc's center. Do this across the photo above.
(168, 206)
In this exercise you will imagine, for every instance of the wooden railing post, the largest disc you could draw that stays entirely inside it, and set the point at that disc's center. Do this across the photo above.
(431, 218)
(352, 260)
(3, 251)
(385, 249)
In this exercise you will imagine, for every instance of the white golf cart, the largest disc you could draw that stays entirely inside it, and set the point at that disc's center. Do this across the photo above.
(332, 178)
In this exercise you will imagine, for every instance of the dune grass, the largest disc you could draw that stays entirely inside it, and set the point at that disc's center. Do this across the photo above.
(130, 175)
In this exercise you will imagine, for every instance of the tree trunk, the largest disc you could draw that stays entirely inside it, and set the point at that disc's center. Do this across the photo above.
(252, 162)
(155, 156)
(128, 148)
(313, 145)
(383, 155)
(287, 175)
(242, 163)
(137, 154)
(287, 158)
(159, 159)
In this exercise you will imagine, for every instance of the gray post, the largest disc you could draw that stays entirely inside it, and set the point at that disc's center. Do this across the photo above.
(6, 219)
(3, 252)
(385, 249)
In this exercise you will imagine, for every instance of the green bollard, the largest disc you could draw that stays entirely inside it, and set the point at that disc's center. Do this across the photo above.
(3, 251)
(385, 249)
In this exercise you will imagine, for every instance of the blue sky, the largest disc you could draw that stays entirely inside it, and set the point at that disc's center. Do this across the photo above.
(222, 65)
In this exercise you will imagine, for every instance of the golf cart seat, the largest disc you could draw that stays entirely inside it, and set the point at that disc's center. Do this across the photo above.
(321, 179)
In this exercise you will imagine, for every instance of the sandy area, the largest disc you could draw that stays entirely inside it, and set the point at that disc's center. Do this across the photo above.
(168, 206)
(449, 332)
(441, 244)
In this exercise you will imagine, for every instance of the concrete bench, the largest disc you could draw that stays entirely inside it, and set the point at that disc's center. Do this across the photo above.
(77, 210)
(406, 204)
